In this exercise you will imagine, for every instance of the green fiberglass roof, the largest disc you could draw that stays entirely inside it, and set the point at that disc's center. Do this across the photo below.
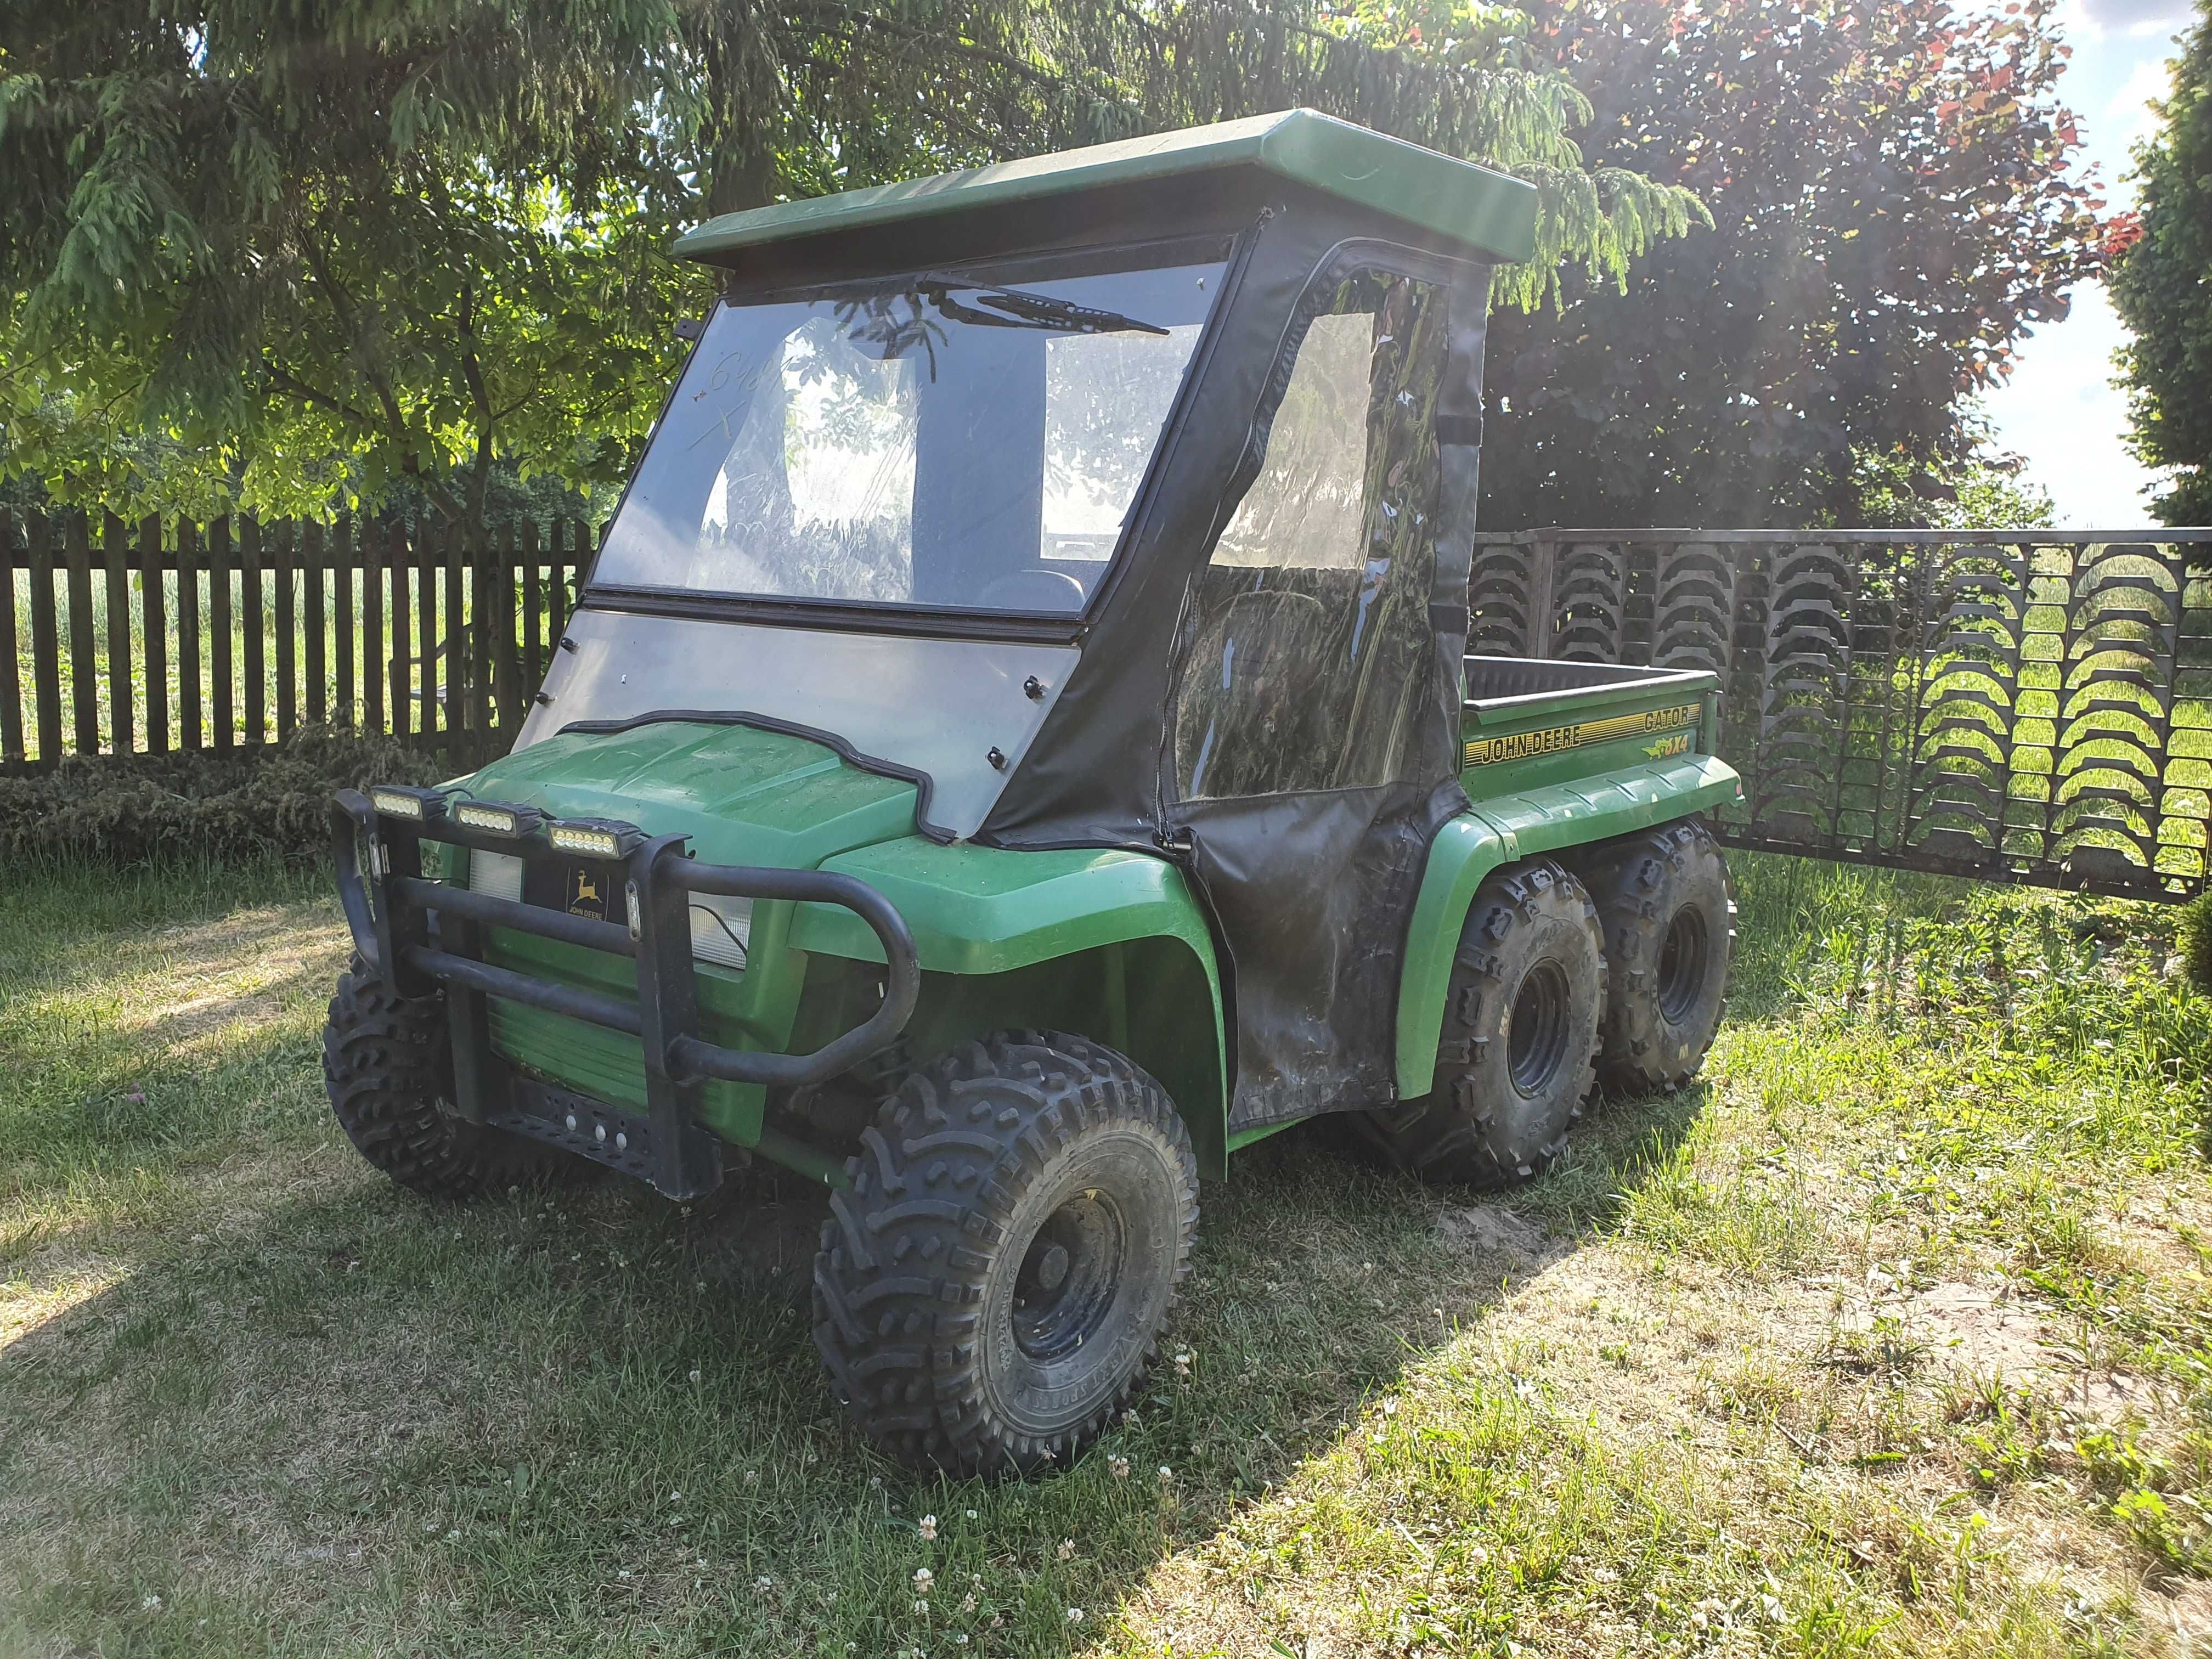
(1489, 212)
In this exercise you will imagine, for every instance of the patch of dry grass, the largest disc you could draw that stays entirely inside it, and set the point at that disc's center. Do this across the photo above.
(1893, 1338)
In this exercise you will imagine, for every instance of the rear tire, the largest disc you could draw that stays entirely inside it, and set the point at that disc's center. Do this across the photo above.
(1668, 910)
(992, 1289)
(387, 1064)
(1520, 1037)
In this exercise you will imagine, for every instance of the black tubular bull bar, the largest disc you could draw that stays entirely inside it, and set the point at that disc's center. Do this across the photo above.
(417, 933)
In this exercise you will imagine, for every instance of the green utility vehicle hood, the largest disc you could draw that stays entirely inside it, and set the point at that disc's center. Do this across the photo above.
(744, 795)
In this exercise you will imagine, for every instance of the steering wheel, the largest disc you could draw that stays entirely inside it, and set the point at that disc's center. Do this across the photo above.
(1033, 590)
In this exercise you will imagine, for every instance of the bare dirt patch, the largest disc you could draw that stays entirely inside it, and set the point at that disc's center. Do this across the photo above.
(1493, 1229)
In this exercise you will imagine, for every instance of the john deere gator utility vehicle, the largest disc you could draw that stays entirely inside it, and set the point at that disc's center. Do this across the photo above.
(1016, 748)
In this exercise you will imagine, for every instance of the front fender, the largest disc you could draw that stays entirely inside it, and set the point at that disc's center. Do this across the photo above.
(1504, 828)
(978, 912)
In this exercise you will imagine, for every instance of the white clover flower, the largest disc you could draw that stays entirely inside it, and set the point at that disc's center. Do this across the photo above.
(753, 1477)
(927, 1529)
(960, 1640)
(1075, 1615)
(923, 1578)
(695, 1373)
(1120, 1466)
(875, 1482)
(152, 1603)
(1166, 1474)
(763, 1582)
(971, 1514)
(1067, 1549)
(968, 1603)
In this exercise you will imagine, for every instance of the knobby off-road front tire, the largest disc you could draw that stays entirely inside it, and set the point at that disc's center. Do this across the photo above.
(991, 1291)
(1667, 908)
(1520, 1038)
(388, 1067)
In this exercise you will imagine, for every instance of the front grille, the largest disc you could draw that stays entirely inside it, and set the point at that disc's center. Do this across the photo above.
(721, 928)
(499, 874)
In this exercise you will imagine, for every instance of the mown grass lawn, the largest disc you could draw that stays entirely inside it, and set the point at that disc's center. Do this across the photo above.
(1893, 1337)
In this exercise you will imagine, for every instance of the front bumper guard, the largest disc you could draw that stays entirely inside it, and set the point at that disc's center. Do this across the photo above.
(417, 934)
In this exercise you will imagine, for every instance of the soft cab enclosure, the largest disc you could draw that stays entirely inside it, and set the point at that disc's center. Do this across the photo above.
(1154, 536)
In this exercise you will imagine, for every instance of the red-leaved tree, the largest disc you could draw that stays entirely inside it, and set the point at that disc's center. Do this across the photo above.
(1894, 202)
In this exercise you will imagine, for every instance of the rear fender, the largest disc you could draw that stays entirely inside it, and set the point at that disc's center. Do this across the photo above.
(1108, 944)
(1504, 828)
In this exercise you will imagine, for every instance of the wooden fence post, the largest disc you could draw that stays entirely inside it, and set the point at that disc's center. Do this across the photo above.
(282, 565)
(153, 598)
(11, 682)
(310, 601)
(222, 659)
(115, 549)
(250, 621)
(45, 643)
(84, 652)
(347, 541)
(188, 635)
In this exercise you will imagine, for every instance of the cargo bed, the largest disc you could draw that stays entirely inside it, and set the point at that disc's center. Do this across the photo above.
(1526, 722)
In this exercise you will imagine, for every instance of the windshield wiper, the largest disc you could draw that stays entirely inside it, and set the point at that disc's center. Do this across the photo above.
(1014, 307)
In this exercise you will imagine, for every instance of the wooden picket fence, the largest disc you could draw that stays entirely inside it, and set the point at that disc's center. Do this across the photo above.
(164, 635)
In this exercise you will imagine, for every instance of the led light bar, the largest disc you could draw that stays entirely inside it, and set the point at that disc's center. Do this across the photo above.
(595, 838)
(398, 801)
(495, 819)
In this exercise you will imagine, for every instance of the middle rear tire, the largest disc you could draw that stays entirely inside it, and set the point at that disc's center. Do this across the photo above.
(1520, 1038)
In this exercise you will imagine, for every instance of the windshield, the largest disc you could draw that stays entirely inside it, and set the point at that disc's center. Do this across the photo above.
(968, 438)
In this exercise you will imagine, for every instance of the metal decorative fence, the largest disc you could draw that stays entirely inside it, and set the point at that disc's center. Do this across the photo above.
(160, 637)
(2017, 706)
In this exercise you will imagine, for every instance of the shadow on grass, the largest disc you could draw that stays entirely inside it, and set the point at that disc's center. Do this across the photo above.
(595, 1416)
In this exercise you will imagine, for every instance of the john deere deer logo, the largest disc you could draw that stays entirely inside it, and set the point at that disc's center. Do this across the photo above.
(585, 900)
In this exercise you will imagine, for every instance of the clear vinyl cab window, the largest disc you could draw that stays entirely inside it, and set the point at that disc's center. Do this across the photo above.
(1306, 657)
(967, 440)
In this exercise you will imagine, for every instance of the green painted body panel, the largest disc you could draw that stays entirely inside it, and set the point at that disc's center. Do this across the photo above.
(1490, 212)
(1537, 817)
(995, 919)
(1110, 945)
(742, 795)
(987, 910)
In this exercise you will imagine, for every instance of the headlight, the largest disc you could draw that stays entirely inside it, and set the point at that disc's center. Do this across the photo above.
(595, 838)
(396, 801)
(493, 819)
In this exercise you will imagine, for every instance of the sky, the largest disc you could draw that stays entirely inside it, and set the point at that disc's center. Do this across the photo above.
(2060, 410)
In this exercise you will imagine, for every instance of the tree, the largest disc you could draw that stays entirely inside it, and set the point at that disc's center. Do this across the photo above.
(312, 248)
(2162, 289)
(310, 253)
(1892, 202)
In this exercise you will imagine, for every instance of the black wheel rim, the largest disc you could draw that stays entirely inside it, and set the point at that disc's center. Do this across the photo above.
(1537, 1031)
(1070, 1275)
(1682, 958)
